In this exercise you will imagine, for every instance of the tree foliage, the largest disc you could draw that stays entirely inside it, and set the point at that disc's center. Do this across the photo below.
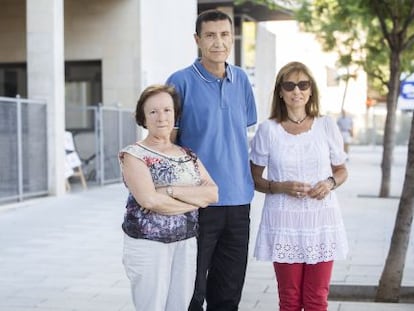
(363, 33)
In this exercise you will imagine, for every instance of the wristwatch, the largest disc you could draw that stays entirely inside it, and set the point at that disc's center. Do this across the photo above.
(170, 191)
(332, 180)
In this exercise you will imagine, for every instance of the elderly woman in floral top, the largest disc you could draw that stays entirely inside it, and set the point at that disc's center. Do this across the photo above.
(167, 185)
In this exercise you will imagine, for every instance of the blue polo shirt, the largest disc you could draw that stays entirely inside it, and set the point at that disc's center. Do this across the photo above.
(215, 116)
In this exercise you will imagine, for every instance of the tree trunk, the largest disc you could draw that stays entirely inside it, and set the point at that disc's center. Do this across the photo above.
(391, 278)
(389, 130)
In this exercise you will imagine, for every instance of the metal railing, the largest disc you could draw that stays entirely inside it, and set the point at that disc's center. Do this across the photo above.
(23, 149)
(98, 147)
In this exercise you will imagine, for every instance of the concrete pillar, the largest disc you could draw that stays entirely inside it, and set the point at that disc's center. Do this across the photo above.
(45, 73)
(265, 73)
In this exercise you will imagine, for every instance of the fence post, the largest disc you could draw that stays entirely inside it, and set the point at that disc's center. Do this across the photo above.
(120, 132)
(19, 149)
(100, 125)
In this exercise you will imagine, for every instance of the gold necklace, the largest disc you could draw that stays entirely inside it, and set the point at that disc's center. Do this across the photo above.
(297, 121)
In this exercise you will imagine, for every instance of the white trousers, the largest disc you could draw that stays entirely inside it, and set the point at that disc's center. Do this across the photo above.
(162, 275)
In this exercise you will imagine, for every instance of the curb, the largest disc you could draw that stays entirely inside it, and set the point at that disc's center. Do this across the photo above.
(365, 293)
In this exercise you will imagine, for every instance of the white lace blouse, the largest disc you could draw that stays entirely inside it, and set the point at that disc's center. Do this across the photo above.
(299, 230)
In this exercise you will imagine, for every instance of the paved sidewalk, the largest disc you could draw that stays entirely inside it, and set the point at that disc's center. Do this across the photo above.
(61, 254)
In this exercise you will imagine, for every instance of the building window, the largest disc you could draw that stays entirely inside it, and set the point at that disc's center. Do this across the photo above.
(83, 91)
(13, 80)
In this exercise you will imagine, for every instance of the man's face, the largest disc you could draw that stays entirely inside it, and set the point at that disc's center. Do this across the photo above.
(215, 41)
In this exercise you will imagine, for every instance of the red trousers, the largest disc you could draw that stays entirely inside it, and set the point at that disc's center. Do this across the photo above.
(303, 285)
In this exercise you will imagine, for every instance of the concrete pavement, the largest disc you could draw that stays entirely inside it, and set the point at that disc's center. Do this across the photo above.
(61, 254)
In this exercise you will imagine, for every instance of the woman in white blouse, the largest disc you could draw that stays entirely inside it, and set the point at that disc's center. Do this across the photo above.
(301, 229)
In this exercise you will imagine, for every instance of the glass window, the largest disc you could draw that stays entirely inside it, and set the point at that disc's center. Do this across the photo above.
(83, 91)
(13, 80)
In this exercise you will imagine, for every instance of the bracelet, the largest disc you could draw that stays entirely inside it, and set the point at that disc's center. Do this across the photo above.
(332, 180)
(269, 186)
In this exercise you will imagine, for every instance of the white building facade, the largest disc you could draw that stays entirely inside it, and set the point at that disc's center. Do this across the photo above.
(130, 44)
(83, 54)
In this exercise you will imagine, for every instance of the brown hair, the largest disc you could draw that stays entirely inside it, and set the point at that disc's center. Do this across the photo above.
(278, 109)
(151, 91)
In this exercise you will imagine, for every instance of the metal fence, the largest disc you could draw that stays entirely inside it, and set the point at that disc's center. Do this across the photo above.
(23, 146)
(23, 149)
(98, 146)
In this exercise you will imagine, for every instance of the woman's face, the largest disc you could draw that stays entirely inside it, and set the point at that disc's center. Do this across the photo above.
(296, 90)
(159, 114)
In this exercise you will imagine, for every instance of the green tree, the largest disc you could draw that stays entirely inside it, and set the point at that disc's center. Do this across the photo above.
(379, 36)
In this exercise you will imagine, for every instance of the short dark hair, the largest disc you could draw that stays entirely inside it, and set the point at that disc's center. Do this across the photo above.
(211, 16)
(151, 91)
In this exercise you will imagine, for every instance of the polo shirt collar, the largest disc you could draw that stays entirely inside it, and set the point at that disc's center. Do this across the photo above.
(208, 77)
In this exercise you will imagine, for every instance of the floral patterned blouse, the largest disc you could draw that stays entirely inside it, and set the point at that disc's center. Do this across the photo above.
(165, 170)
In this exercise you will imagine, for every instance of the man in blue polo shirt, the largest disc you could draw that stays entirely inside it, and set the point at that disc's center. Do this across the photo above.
(217, 107)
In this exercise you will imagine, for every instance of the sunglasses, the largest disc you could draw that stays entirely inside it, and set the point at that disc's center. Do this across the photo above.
(290, 86)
